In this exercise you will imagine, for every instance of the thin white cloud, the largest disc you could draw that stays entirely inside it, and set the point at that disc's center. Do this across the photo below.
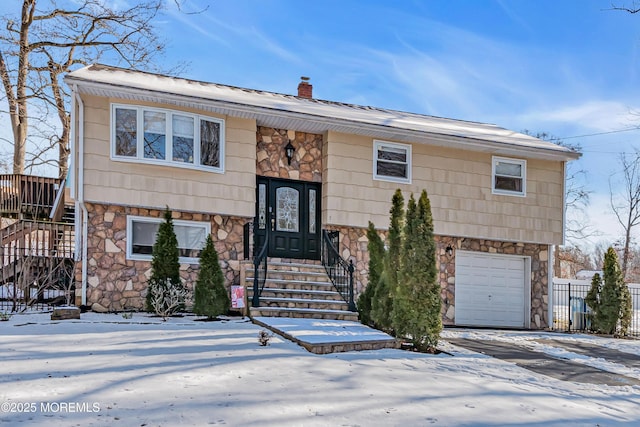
(514, 16)
(261, 41)
(233, 35)
(603, 220)
(453, 72)
(188, 22)
(595, 115)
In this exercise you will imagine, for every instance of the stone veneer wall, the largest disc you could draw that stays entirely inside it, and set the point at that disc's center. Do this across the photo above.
(115, 283)
(306, 164)
(353, 245)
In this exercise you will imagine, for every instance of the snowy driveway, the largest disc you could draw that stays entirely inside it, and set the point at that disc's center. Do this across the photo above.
(108, 371)
(556, 367)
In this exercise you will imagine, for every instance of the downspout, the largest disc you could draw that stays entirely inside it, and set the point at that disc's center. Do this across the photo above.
(79, 183)
(564, 202)
(71, 177)
(552, 248)
(550, 286)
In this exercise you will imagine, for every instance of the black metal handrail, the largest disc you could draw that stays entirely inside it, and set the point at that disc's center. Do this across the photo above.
(259, 279)
(339, 270)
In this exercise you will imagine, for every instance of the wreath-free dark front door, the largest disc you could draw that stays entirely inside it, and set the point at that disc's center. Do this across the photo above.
(291, 212)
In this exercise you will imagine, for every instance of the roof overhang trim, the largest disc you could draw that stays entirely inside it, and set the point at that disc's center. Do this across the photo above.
(314, 123)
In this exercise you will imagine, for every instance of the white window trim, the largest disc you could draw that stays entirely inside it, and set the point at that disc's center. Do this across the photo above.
(168, 138)
(520, 162)
(376, 145)
(141, 257)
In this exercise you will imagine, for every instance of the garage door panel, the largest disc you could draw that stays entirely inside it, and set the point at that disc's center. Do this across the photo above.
(489, 290)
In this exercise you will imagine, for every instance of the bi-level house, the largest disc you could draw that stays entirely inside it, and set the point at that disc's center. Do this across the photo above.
(276, 174)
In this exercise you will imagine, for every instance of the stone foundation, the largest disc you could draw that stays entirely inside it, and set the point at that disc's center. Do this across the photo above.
(115, 283)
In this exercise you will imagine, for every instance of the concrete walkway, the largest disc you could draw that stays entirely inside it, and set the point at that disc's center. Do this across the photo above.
(544, 364)
(321, 336)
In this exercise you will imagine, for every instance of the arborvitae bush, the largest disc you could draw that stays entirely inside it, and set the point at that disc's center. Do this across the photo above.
(210, 296)
(593, 299)
(395, 236)
(611, 306)
(376, 264)
(406, 298)
(382, 303)
(165, 291)
(626, 310)
(416, 300)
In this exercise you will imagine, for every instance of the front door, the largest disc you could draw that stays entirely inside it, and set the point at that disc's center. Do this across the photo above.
(288, 215)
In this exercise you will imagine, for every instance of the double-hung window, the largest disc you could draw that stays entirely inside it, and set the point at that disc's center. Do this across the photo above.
(142, 232)
(391, 161)
(156, 135)
(509, 176)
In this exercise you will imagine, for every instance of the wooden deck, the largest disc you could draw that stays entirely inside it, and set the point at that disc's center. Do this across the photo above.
(27, 196)
(36, 253)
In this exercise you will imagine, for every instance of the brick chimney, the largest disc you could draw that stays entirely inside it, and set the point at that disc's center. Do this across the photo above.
(305, 89)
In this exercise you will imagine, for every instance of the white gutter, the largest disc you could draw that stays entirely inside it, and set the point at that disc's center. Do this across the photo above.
(83, 222)
(338, 124)
(552, 248)
(76, 220)
(564, 202)
(72, 145)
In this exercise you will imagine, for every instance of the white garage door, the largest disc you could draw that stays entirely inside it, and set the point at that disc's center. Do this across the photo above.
(490, 290)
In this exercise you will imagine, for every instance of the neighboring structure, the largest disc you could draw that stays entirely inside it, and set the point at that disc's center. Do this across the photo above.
(217, 157)
(587, 274)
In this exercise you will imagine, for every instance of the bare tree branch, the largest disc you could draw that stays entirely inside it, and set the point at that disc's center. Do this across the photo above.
(46, 40)
(577, 227)
(625, 202)
(635, 8)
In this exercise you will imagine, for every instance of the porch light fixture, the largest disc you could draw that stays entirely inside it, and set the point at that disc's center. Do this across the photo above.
(289, 150)
(449, 250)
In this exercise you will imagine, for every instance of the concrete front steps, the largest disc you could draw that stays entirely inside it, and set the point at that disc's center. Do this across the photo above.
(298, 290)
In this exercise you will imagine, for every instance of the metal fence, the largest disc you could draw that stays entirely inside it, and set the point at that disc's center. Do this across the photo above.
(570, 311)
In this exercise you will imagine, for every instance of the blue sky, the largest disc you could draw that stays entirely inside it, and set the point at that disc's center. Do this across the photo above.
(569, 68)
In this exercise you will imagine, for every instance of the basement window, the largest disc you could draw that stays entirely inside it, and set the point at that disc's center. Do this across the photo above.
(142, 231)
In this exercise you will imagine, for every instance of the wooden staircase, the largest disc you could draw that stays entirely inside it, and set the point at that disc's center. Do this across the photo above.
(37, 239)
(299, 290)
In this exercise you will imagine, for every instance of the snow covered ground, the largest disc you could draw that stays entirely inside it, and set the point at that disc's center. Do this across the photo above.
(109, 371)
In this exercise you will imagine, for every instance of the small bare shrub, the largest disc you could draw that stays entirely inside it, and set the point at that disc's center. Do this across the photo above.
(264, 337)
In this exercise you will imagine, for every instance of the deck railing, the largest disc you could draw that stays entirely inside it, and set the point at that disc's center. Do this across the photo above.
(33, 196)
(36, 264)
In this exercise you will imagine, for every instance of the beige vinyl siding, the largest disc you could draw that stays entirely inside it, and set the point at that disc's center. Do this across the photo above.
(156, 186)
(459, 186)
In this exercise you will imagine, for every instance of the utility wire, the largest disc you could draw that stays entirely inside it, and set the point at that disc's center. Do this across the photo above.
(601, 133)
